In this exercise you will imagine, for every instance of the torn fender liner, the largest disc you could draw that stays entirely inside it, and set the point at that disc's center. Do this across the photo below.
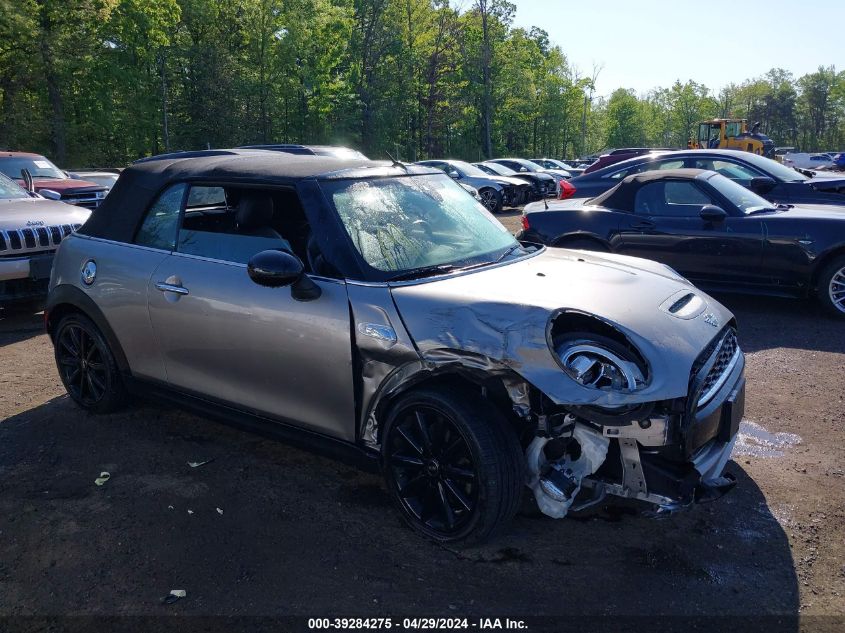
(504, 313)
(554, 499)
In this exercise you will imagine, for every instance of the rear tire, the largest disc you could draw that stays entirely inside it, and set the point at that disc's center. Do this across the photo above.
(831, 287)
(453, 466)
(87, 366)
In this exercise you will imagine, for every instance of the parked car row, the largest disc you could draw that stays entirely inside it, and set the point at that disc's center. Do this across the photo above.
(709, 227)
(764, 176)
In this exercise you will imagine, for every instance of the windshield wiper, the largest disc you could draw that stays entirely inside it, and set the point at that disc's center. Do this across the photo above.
(507, 252)
(425, 271)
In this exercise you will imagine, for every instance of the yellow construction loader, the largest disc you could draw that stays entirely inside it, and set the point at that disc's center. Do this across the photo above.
(733, 134)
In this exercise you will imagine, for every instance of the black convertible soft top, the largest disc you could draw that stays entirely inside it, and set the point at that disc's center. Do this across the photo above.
(622, 195)
(118, 217)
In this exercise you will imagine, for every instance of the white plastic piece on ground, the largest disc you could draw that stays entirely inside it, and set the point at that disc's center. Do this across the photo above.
(103, 478)
(593, 454)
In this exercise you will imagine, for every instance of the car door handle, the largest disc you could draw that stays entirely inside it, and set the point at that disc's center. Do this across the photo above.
(166, 287)
(643, 224)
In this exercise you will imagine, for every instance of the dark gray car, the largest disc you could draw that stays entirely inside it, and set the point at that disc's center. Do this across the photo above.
(496, 191)
(377, 310)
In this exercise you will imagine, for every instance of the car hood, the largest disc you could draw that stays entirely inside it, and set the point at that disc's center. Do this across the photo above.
(64, 184)
(808, 212)
(503, 314)
(34, 212)
(509, 180)
(827, 181)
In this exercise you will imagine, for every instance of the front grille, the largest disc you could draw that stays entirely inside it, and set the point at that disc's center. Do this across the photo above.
(725, 348)
(29, 239)
(87, 199)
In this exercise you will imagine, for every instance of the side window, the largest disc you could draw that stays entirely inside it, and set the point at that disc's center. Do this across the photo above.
(670, 198)
(649, 166)
(162, 220)
(233, 224)
(206, 197)
(729, 169)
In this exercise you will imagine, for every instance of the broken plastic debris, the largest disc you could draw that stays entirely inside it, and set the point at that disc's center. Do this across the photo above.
(198, 464)
(174, 595)
(190, 511)
(103, 478)
(170, 508)
(219, 511)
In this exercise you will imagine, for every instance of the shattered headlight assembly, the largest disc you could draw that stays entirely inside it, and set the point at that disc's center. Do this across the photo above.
(597, 362)
(604, 364)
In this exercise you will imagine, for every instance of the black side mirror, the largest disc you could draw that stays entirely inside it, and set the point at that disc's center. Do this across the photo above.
(712, 213)
(278, 268)
(762, 184)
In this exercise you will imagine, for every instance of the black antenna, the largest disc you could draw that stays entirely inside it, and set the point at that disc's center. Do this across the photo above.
(397, 163)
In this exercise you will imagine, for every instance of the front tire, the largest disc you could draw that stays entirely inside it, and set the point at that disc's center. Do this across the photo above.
(87, 366)
(831, 287)
(453, 466)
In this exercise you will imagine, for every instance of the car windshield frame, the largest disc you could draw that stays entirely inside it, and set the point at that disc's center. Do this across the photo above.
(468, 169)
(773, 168)
(31, 163)
(10, 190)
(505, 168)
(741, 197)
(532, 167)
(399, 244)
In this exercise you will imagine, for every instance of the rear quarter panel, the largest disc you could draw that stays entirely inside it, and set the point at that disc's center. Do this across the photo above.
(119, 290)
(552, 226)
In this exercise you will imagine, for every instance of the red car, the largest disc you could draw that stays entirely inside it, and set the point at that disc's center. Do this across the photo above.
(50, 181)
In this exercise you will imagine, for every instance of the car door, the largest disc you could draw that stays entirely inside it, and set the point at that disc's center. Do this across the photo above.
(224, 337)
(667, 226)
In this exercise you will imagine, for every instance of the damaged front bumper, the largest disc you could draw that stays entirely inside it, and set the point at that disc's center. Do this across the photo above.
(671, 459)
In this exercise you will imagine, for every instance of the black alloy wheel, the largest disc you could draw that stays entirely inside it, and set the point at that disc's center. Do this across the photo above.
(86, 365)
(491, 199)
(452, 466)
(432, 466)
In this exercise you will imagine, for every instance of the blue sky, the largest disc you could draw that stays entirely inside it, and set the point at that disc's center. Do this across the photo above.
(644, 44)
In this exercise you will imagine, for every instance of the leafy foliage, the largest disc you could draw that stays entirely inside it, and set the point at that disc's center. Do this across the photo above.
(102, 82)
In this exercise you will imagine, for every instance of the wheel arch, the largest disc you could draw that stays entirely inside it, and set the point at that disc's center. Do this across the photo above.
(496, 387)
(563, 240)
(822, 262)
(66, 299)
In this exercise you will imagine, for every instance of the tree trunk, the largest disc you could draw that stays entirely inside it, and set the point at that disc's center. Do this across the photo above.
(58, 136)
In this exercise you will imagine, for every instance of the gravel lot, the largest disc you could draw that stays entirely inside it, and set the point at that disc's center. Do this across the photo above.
(266, 529)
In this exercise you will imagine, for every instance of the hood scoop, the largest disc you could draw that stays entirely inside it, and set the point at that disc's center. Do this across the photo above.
(684, 305)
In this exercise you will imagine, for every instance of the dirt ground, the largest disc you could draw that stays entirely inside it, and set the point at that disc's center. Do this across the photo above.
(266, 529)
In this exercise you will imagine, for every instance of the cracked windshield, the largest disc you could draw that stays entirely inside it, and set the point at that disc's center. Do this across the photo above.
(405, 223)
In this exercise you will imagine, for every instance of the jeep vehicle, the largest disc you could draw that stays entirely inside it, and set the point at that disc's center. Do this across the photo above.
(50, 181)
(30, 230)
(377, 309)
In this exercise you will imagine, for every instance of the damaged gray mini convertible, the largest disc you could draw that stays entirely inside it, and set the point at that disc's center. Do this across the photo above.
(377, 308)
